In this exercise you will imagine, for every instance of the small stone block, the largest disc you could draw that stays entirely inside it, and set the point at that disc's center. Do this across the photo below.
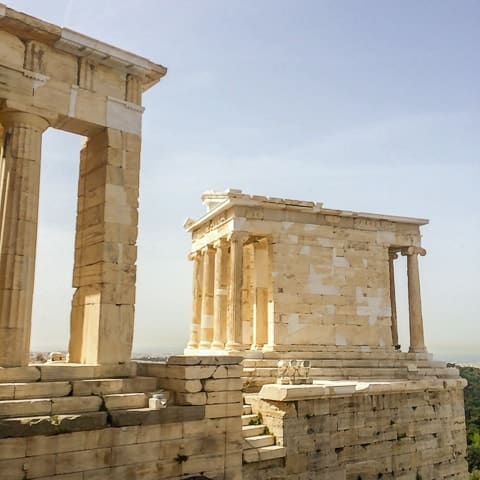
(199, 398)
(7, 391)
(42, 389)
(223, 410)
(222, 384)
(75, 405)
(195, 372)
(125, 400)
(97, 387)
(25, 408)
(145, 416)
(66, 372)
(203, 360)
(228, 371)
(19, 374)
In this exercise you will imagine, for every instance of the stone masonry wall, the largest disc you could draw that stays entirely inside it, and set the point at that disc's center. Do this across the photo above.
(410, 435)
(200, 435)
(336, 293)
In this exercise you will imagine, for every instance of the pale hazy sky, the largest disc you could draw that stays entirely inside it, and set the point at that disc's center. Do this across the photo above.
(368, 106)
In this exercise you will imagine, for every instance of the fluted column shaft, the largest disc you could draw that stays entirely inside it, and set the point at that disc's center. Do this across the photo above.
(196, 301)
(220, 296)
(393, 302)
(19, 196)
(417, 342)
(206, 327)
(234, 319)
(260, 308)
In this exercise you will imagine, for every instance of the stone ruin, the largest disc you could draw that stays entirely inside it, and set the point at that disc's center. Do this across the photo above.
(293, 368)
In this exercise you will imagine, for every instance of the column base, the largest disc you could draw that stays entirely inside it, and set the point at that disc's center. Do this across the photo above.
(217, 345)
(204, 345)
(232, 347)
(417, 349)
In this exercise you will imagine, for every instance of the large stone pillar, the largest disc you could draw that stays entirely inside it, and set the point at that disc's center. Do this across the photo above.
(220, 295)
(234, 319)
(19, 195)
(261, 281)
(196, 258)
(392, 255)
(104, 276)
(417, 342)
(206, 327)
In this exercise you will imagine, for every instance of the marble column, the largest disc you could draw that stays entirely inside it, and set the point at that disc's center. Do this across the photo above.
(261, 280)
(392, 255)
(206, 326)
(220, 295)
(417, 343)
(19, 195)
(234, 319)
(196, 259)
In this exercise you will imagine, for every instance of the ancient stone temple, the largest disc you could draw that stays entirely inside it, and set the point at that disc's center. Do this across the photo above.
(299, 278)
(306, 294)
(293, 369)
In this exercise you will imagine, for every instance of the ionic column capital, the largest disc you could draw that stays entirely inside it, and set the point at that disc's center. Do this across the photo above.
(220, 243)
(407, 251)
(392, 255)
(208, 249)
(239, 237)
(192, 256)
(17, 119)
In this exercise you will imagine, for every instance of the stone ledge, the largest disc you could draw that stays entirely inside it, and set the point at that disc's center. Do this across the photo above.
(204, 360)
(145, 416)
(51, 425)
(344, 388)
(19, 374)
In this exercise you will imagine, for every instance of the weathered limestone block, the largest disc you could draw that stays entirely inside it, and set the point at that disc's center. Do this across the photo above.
(216, 385)
(192, 373)
(392, 433)
(199, 398)
(222, 410)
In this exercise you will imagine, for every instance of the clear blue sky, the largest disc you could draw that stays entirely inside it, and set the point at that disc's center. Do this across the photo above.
(370, 106)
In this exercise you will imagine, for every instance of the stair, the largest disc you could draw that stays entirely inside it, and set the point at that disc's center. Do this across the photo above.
(54, 401)
(328, 365)
(258, 444)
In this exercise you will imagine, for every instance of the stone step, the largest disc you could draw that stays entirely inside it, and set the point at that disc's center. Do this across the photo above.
(247, 409)
(358, 372)
(49, 406)
(334, 360)
(250, 419)
(119, 401)
(109, 386)
(71, 371)
(258, 441)
(253, 430)
(271, 452)
(147, 416)
(51, 425)
(19, 374)
(18, 391)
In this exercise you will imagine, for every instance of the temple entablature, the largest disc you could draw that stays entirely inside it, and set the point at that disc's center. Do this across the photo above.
(282, 275)
(79, 84)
